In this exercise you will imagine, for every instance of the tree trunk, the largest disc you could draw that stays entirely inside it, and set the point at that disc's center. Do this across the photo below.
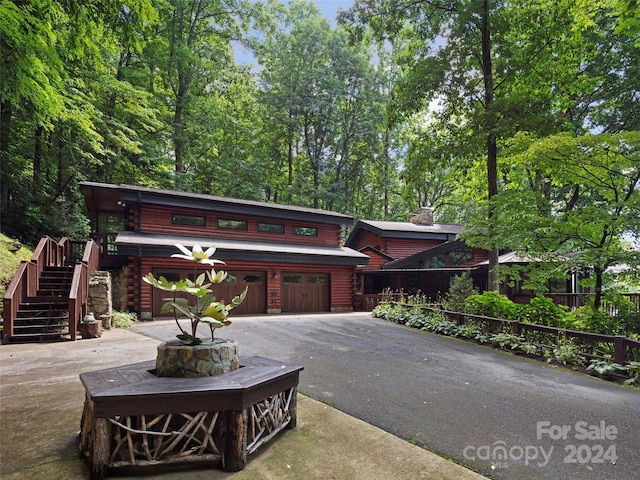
(492, 148)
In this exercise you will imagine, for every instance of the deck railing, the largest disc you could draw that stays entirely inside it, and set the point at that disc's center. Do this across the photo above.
(80, 286)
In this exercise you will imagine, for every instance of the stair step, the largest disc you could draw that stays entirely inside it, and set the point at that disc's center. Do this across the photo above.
(29, 321)
(36, 337)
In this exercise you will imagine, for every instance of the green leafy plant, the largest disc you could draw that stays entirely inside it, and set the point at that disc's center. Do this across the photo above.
(492, 304)
(604, 367)
(123, 319)
(567, 353)
(468, 330)
(544, 311)
(460, 287)
(633, 370)
(529, 348)
(207, 308)
(506, 340)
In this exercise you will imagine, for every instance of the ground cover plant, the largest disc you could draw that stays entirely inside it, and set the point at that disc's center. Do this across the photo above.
(556, 348)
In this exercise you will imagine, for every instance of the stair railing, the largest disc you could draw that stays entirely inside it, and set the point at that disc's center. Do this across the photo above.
(23, 284)
(80, 286)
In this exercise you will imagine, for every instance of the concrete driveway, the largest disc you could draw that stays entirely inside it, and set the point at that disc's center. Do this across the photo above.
(504, 416)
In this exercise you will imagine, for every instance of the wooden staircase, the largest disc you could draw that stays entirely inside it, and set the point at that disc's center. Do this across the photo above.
(47, 297)
(45, 316)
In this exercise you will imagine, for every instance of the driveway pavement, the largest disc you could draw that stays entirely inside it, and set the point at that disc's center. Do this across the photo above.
(504, 416)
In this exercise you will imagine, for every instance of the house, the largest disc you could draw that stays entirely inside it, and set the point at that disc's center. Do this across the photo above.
(291, 258)
(423, 256)
(415, 256)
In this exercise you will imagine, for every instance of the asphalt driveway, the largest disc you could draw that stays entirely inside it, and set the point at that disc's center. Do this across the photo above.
(504, 416)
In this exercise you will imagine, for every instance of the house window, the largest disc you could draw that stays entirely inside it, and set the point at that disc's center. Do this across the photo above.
(232, 224)
(460, 256)
(270, 227)
(435, 262)
(306, 231)
(189, 220)
(317, 279)
(292, 278)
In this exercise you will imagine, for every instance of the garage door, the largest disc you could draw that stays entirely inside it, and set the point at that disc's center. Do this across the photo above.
(305, 292)
(234, 284)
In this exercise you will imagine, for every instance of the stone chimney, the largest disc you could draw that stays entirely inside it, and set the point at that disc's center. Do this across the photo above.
(422, 216)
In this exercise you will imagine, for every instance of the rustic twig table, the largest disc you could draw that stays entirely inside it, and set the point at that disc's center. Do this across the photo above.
(132, 417)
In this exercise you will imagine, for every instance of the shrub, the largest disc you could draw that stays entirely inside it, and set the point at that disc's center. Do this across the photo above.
(460, 288)
(417, 318)
(543, 311)
(587, 319)
(124, 319)
(567, 353)
(492, 304)
(604, 367)
(506, 340)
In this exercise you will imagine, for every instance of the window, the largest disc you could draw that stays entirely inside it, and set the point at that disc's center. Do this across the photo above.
(306, 231)
(252, 279)
(434, 262)
(270, 228)
(318, 279)
(460, 256)
(190, 220)
(232, 224)
(292, 278)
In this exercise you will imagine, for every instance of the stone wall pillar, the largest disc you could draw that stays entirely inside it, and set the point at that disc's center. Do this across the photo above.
(99, 300)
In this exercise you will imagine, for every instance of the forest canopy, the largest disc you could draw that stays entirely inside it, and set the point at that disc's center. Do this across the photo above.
(518, 119)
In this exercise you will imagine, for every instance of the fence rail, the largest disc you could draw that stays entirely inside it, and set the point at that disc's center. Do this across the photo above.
(624, 349)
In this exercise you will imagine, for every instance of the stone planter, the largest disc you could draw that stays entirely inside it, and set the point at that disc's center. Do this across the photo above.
(206, 360)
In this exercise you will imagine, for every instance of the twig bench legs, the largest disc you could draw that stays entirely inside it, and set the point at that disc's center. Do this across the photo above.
(226, 437)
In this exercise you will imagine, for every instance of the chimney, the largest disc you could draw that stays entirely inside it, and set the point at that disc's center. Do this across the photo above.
(423, 216)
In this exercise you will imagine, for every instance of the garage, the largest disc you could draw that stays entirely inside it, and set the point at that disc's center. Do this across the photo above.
(234, 284)
(305, 292)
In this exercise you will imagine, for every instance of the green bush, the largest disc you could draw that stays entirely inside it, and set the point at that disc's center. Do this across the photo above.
(492, 304)
(543, 311)
(124, 319)
(567, 353)
(460, 288)
(586, 319)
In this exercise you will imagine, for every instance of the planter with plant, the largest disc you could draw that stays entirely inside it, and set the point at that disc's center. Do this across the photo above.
(192, 302)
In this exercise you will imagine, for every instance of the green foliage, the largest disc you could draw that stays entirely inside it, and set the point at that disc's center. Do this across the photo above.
(12, 252)
(633, 370)
(544, 311)
(460, 288)
(587, 319)
(604, 367)
(567, 353)
(491, 304)
(506, 340)
(207, 309)
(124, 319)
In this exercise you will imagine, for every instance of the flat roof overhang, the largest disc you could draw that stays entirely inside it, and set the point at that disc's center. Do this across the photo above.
(163, 245)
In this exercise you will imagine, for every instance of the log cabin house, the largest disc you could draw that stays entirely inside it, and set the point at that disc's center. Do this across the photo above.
(421, 256)
(290, 257)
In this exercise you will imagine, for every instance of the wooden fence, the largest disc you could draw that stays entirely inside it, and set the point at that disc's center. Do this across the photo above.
(593, 345)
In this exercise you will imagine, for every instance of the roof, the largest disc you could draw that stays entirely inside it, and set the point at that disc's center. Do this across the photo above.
(511, 257)
(437, 231)
(104, 197)
(138, 244)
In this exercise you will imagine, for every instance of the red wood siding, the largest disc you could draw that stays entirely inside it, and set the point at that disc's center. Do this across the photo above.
(365, 238)
(157, 219)
(340, 280)
(403, 247)
(375, 260)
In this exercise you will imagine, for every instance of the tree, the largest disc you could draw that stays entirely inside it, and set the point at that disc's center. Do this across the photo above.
(579, 219)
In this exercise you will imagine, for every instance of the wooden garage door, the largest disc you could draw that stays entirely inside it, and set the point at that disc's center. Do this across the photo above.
(305, 292)
(235, 283)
